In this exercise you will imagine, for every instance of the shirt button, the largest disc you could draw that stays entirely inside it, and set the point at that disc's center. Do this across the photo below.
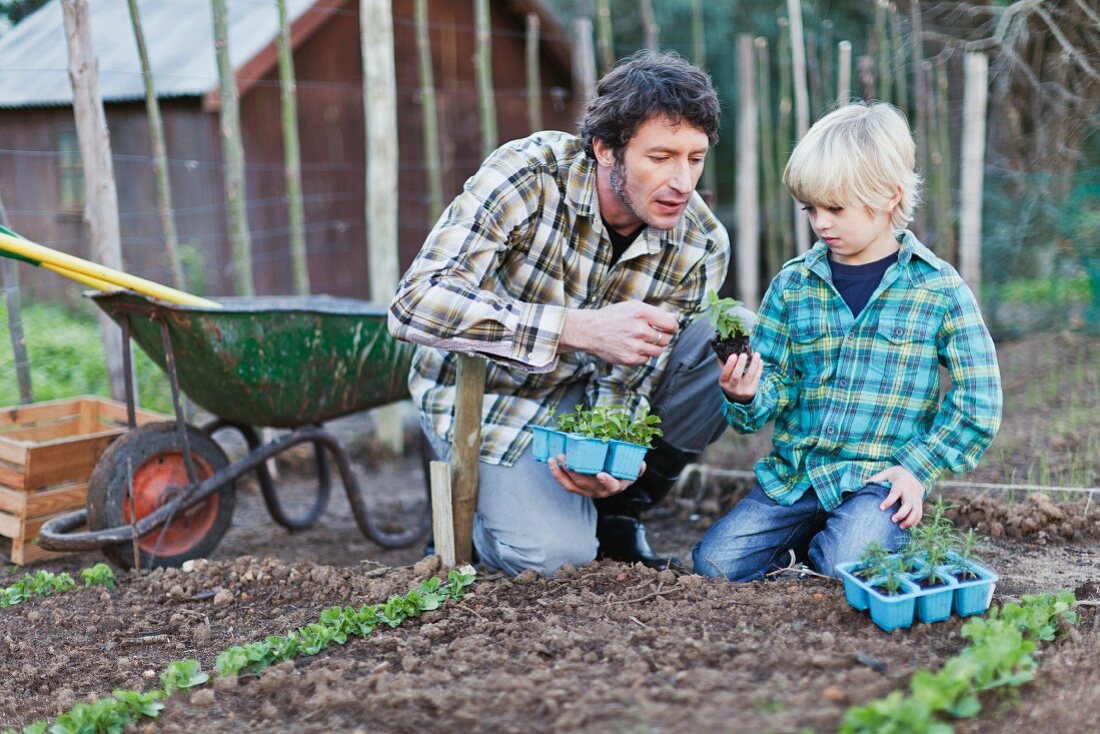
(844, 382)
(830, 430)
(850, 336)
(899, 331)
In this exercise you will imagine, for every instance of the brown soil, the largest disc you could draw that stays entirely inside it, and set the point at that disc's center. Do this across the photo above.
(603, 648)
(725, 348)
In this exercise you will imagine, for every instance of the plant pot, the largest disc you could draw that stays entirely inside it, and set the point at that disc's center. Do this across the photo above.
(585, 455)
(855, 590)
(624, 460)
(934, 603)
(973, 595)
(892, 612)
(547, 442)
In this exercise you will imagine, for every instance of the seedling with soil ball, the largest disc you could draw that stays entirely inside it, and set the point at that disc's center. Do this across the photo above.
(731, 336)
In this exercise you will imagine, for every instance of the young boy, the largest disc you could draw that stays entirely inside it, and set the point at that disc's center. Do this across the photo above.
(851, 336)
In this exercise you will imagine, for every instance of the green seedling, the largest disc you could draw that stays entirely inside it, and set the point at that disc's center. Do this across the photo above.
(719, 311)
(98, 575)
(1000, 654)
(182, 674)
(873, 557)
(609, 424)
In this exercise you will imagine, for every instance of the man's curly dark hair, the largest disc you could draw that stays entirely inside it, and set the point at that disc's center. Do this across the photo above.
(644, 85)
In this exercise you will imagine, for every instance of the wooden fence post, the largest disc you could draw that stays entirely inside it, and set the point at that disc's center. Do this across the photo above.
(380, 114)
(434, 170)
(292, 164)
(748, 210)
(160, 153)
(605, 43)
(10, 275)
(534, 73)
(976, 90)
(229, 114)
(584, 62)
(801, 104)
(844, 73)
(649, 24)
(101, 209)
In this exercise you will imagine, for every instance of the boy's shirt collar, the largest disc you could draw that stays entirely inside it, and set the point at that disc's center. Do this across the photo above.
(816, 259)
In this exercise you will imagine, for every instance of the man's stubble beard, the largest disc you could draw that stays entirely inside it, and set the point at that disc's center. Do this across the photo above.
(619, 185)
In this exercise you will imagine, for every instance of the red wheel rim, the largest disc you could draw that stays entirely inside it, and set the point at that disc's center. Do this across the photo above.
(155, 483)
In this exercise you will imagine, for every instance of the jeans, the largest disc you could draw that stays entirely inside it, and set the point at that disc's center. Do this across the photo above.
(758, 533)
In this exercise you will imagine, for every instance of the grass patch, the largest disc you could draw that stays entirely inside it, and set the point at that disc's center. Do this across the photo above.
(66, 358)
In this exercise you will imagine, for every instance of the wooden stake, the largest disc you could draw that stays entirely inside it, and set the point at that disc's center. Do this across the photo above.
(443, 529)
(466, 452)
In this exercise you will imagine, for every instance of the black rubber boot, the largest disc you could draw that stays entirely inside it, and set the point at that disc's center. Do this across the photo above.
(619, 528)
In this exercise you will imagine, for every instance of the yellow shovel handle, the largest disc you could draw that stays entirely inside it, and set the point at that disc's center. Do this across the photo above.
(97, 276)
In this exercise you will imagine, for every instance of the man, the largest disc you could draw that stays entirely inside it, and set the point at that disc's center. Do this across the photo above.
(575, 265)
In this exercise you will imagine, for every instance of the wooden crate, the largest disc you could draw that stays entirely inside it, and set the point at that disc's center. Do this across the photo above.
(47, 453)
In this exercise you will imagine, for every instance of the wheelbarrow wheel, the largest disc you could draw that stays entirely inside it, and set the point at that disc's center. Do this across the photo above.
(153, 456)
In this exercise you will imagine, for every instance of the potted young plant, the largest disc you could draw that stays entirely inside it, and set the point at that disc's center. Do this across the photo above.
(731, 336)
(857, 574)
(892, 597)
(975, 586)
(599, 439)
(933, 539)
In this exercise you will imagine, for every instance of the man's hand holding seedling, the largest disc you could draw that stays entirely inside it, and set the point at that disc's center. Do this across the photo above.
(738, 383)
(905, 487)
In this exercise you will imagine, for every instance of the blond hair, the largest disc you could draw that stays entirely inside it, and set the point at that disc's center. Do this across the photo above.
(860, 154)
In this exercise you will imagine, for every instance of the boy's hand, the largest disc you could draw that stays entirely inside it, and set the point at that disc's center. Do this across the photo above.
(740, 384)
(595, 486)
(905, 487)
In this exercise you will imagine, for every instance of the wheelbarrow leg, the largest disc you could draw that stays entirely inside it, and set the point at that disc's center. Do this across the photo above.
(267, 484)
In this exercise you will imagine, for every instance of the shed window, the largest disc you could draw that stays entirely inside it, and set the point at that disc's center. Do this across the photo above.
(70, 170)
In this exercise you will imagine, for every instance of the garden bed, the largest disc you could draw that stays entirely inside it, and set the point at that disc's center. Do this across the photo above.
(603, 648)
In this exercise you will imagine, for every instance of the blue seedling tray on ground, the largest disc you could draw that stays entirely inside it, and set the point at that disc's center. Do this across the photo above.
(892, 612)
(934, 604)
(855, 590)
(963, 597)
(972, 596)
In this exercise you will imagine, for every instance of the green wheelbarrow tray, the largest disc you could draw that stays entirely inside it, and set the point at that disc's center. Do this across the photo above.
(281, 362)
(163, 493)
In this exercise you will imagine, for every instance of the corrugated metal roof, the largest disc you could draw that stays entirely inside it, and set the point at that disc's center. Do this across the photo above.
(34, 61)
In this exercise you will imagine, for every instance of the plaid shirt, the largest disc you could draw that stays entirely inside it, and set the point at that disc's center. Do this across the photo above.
(851, 397)
(522, 243)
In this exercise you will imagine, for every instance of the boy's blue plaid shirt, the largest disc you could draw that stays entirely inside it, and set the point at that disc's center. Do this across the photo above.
(851, 397)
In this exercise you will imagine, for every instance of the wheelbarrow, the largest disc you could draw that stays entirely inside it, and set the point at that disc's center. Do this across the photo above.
(168, 489)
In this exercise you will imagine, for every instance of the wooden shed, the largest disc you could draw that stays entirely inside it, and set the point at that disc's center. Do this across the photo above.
(40, 176)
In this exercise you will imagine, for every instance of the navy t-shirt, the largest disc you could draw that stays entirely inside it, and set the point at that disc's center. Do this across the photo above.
(857, 283)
